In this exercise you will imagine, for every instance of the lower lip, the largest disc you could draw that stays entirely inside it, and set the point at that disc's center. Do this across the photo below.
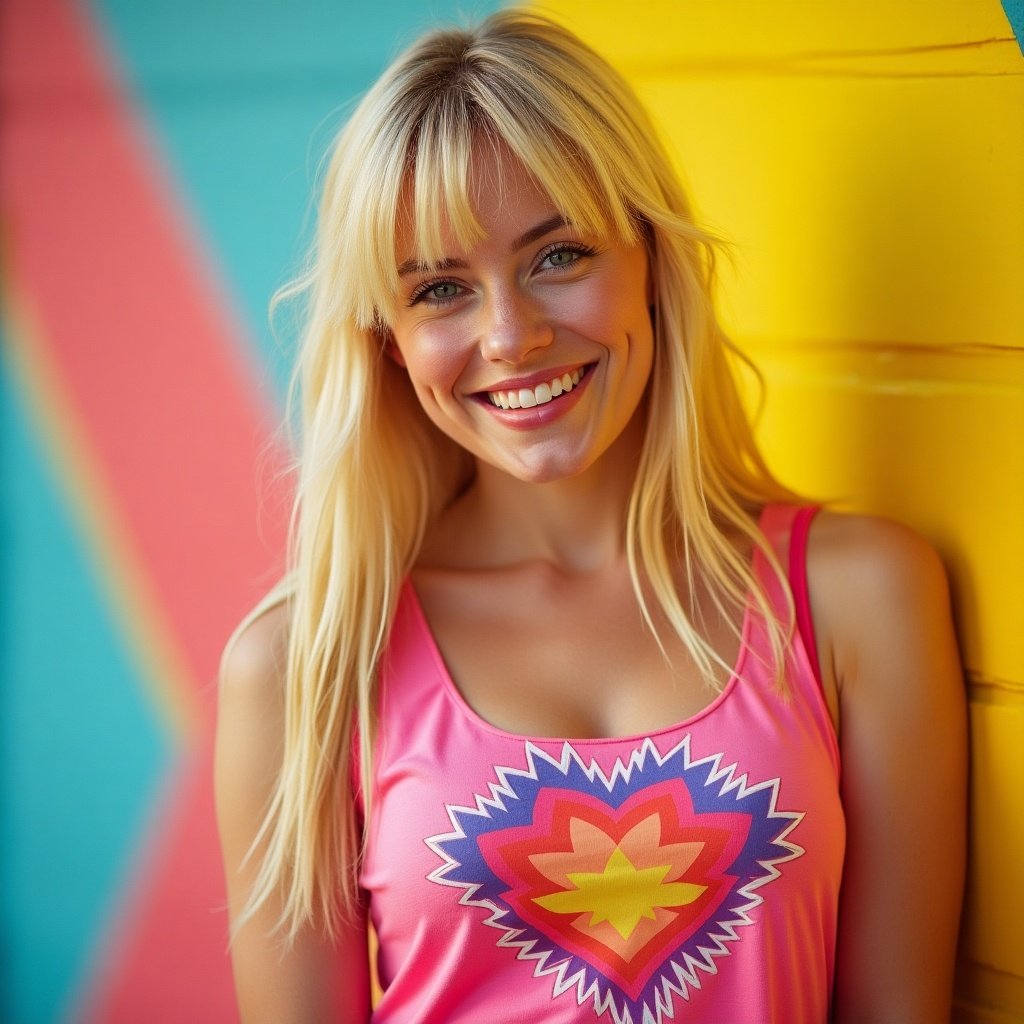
(539, 415)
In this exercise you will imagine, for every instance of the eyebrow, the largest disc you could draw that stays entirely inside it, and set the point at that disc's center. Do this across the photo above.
(449, 263)
(531, 235)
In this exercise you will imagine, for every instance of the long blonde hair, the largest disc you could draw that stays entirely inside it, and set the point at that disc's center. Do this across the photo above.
(373, 474)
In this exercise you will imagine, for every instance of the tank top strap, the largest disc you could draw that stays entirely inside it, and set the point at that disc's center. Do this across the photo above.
(411, 653)
(786, 528)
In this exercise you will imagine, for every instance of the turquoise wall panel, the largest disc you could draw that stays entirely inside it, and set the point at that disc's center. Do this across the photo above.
(81, 750)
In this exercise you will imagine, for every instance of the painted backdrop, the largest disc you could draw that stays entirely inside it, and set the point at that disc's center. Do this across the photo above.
(157, 165)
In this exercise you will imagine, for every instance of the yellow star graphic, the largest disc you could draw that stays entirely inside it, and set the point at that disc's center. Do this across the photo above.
(620, 894)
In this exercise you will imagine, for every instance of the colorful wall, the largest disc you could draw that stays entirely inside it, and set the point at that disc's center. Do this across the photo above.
(156, 169)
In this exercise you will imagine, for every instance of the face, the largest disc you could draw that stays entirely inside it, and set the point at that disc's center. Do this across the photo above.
(532, 350)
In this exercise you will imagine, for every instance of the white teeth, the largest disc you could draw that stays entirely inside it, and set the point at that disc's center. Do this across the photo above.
(527, 398)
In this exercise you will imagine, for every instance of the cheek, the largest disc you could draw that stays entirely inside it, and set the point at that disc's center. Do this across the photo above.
(435, 360)
(610, 306)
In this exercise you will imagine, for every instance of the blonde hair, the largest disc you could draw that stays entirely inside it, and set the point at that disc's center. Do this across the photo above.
(373, 475)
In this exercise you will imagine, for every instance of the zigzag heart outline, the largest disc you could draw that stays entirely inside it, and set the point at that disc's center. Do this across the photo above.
(678, 978)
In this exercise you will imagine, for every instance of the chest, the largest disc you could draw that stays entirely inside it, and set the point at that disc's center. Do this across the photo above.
(624, 857)
(542, 655)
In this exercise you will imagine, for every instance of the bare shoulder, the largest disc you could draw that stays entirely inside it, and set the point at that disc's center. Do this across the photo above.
(250, 705)
(878, 591)
(254, 655)
(253, 662)
(871, 554)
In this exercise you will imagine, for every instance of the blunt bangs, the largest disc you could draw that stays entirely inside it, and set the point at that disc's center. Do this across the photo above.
(408, 155)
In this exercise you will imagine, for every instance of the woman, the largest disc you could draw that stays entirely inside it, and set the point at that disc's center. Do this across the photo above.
(558, 690)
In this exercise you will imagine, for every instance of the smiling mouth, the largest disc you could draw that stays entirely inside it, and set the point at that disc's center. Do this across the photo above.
(547, 391)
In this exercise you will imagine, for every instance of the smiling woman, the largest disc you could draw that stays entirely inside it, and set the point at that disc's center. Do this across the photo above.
(559, 689)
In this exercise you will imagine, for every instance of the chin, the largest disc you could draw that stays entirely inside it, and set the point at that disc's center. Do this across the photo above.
(546, 471)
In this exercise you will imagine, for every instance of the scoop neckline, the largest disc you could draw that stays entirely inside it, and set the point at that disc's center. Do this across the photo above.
(454, 694)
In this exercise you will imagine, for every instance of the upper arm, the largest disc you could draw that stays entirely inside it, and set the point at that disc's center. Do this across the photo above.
(881, 592)
(313, 979)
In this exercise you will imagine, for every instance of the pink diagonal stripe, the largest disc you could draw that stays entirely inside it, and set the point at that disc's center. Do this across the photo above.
(165, 398)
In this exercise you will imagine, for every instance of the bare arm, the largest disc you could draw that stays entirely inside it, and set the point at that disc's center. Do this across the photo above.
(892, 653)
(313, 980)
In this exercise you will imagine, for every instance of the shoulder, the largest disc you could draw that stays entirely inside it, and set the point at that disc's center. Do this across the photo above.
(250, 704)
(880, 600)
(870, 553)
(253, 663)
(860, 567)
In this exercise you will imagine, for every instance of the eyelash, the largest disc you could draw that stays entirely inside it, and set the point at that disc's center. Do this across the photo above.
(424, 291)
(578, 248)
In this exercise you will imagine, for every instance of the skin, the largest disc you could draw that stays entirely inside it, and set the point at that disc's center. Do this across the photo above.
(315, 980)
(526, 572)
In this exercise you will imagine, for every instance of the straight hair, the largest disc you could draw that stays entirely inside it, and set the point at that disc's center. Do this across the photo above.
(374, 472)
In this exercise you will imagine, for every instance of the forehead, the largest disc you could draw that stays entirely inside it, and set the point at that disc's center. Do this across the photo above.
(496, 195)
(500, 183)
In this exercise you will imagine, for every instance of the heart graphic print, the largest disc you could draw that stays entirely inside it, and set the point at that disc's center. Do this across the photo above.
(627, 889)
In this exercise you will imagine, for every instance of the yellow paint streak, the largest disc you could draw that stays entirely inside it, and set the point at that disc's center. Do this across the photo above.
(118, 566)
(996, 692)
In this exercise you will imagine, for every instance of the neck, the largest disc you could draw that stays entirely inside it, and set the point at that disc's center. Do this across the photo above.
(575, 524)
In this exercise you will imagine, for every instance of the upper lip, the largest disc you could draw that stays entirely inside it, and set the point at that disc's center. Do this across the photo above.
(533, 379)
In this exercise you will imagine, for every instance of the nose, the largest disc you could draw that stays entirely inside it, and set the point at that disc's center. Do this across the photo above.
(513, 327)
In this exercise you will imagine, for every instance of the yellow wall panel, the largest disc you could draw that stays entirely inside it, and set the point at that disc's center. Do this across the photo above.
(996, 905)
(866, 163)
(731, 35)
(926, 436)
(866, 209)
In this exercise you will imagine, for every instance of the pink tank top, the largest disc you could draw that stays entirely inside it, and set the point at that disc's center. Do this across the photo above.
(691, 874)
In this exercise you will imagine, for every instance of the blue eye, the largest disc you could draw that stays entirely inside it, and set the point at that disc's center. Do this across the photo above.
(436, 293)
(563, 255)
